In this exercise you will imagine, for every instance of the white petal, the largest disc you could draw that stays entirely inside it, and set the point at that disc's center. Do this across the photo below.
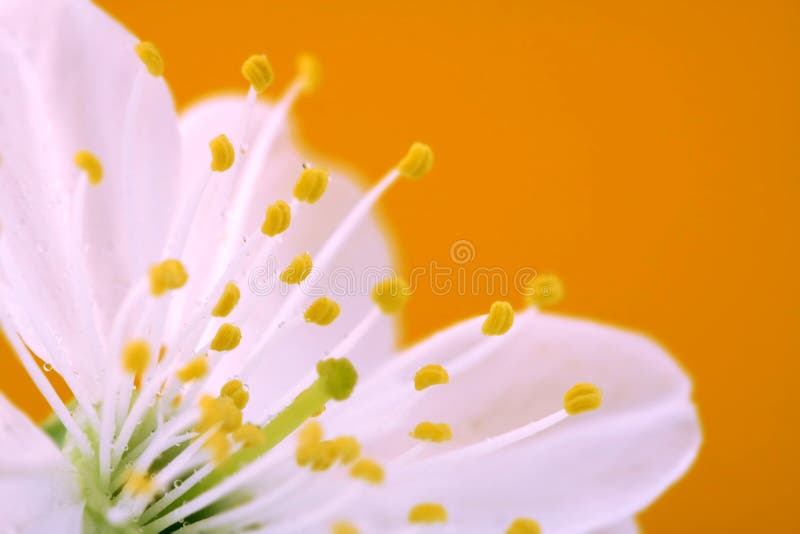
(36, 481)
(586, 472)
(346, 281)
(79, 70)
(625, 526)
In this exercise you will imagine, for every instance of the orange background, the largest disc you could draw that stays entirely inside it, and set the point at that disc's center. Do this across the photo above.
(645, 151)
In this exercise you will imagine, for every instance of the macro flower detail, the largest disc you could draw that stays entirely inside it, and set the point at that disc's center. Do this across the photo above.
(202, 403)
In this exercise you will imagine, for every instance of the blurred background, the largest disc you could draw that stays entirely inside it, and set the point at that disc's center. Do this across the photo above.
(647, 152)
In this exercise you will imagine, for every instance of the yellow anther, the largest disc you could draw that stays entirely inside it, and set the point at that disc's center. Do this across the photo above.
(227, 338)
(499, 320)
(219, 446)
(298, 270)
(177, 401)
(436, 432)
(194, 370)
(220, 411)
(342, 527)
(234, 389)
(323, 455)
(427, 512)
(167, 275)
(162, 351)
(310, 433)
(582, 398)
(309, 71)
(322, 311)
(391, 294)
(258, 71)
(339, 377)
(347, 449)
(524, 525)
(249, 435)
(544, 290)
(418, 162)
(88, 163)
(151, 57)
(277, 218)
(227, 301)
(368, 470)
(140, 484)
(430, 375)
(136, 356)
(230, 387)
(222, 153)
(311, 185)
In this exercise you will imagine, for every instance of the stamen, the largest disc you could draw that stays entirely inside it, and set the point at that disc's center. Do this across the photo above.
(194, 370)
(499, 320)
(322, 311)
(249, 435)
(298, 270)
(544, 290)
(309, 72)
(436, 432)
(151, 58)
(427, 513)
(368, 470)
(167, 275)
(277, 219)
(343, 527)
(222, 153)
(430, 375)
(582, 398)
(311, 185)
(136, 356)
(234, 389)
(89, 163)
(523, 525)
(140, 484)
(227, 338)
(258, 72)
(227, 301)
(417, 163)
(391, 294)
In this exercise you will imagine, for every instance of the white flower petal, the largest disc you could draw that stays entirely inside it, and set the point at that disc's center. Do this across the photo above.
(625, 526)
(348, 280)
(586, 472)
(79, 70)
(36, 481)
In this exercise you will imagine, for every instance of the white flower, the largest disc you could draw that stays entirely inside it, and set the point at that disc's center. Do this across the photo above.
(108, 201)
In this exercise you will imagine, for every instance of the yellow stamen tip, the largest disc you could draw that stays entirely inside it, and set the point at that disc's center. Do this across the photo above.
(227, 301)
(368, 470)
(524, 525)
(427, 512)
(140, 484)
(136, 356)
(322, 311)
(249, 436)
(219, 446)
(339, 377)
(310, 433)
(277, 218)
(430, 375)
(418, 162)
(436, 432)
(582, 398)
(194, 370)
(310, 72)
(391, 294)
(544, 290)
(347, 449)
(499, 320)
(230, 387)
(89, 164)
(227, 338)
(166, 276)
(222, 153)
(344, 528)
(258, 72)
(311, 185)
(298, 270)
(220, 410)
(151, 57)
(234, 389)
